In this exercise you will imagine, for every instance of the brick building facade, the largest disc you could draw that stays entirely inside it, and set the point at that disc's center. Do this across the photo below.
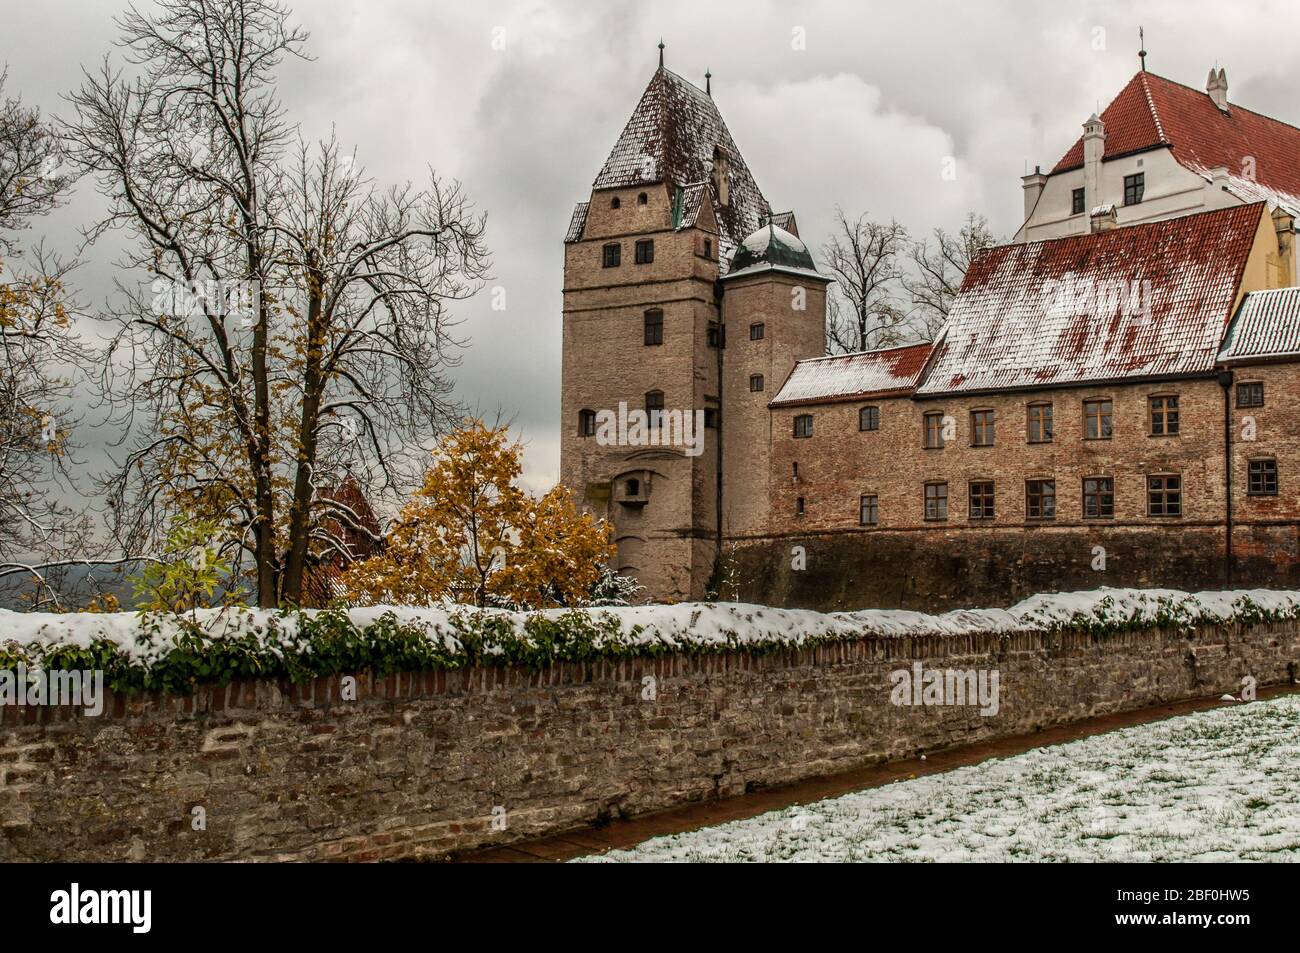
(1105, 407)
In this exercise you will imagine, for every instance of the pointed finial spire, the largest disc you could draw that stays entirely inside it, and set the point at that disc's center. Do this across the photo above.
(708, 81)
(661, 52)
(1142, 48)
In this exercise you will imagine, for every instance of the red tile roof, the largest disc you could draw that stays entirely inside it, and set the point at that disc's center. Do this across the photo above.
(885, 373)
(1146, 300)
(1262, 155)
(672, 137)
(1267, 325)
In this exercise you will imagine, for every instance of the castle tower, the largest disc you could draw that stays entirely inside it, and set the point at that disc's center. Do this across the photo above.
(643, 334)
(774, 308)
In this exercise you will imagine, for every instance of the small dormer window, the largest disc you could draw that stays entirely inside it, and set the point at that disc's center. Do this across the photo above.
(642, 199)
(615, 202)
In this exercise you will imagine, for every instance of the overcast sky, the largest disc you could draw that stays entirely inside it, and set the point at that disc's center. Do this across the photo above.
(863, 116)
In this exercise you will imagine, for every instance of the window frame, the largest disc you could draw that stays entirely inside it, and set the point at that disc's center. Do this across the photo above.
(658, 335)
(938, 498)
(1254, 387)
(1101, 495)
(1042, 499)
(759, 379)
(1251, 474)
(1048, 418)
(759, 327)
(654, 408)
(986, 509)
(586, 422)
(1165, 492)
(1109, 417)
(1135, 185)
(872, 417)
(1164, 415)
(1078, 201)
(983, 432)
(873, 507)
(803, 426)
(926, 418)
(644, 252)
(614, 260)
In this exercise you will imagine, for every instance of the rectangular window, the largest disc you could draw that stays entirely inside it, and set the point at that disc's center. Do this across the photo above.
(755, 383)
(654, 407)
(1097, 419)
(933, 431)
(1134, 186)
(1076, 202)
(756, 331)
(586, 423)
(869, 418)
(1098, 498)
(868, 511)
(1262, 478)
(1040, 423)
(981, 428)
(1164, 416)
(612, 257)
(717, 335)
(936, 501)
(1164, 496)
(1040, 499)
(711, 417)
(1250, 394)
(981, 500)
(645, 251)
(708, 248)
(798, 506)
(803, 425)
(654, 327)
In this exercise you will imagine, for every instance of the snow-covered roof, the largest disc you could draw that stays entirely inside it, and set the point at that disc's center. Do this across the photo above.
(772, 248)
(1146, 300)
(884, 373)
(1259, 153)
(577, 223)
(674, 135)
(1267, 325)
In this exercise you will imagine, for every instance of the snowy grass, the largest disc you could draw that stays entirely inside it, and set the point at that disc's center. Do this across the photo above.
(1221, 785)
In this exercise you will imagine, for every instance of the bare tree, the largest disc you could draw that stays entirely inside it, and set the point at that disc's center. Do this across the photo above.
(938, 270)
(294, 315)
(865, 257)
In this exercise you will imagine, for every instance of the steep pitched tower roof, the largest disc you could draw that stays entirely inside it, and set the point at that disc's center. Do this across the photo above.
(1262, 155)
(676, 135)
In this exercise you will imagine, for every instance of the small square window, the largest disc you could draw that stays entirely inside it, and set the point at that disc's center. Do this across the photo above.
(1076, 202)
(1250, 394)
(1261, 478)
(803, 426)
(756, 331)
(755, 383)
(1164, 496)
(869, 418)
(645, 251)
(868, 510)
(612, 255)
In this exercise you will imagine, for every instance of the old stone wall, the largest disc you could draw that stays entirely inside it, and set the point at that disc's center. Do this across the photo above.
(420, 765)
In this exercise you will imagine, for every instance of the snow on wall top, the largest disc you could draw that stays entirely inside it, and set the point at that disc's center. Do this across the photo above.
(673, 136)
(1266, 325)
(848, 376)
(673, 626)
(1259, 153)
(1146, 300)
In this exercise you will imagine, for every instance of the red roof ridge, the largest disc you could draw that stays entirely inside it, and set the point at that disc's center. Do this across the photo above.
(1232, 106)
(876, 350)
(1151, 103)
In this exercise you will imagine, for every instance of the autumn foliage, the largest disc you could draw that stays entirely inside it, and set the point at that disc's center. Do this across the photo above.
(471, 535)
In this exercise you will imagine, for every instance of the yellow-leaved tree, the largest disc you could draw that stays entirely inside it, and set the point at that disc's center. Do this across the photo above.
(470, 534)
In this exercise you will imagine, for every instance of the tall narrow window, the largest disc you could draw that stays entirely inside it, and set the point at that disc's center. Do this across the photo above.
(1098, 498)
(654, 407)
(981, 428)
(711, 417)
(936, 501)
(869, 418)
(981, 500)
(1040, 499)
(803, 426)
(716, 335)
(933, 431)
(613, 255)
(1164, 416)
(1076, 202)
(1261, 478)
(755, 383)
(798, 506)
(1097, 416)
(708, 248)
(586, 423)
(1040, 423)
(645, 251)
(868, 510)
(654, 326)
(1164, 495)
(1134, 186)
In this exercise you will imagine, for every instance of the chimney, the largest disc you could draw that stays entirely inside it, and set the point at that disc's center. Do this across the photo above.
(1033, 186)
(1216, 86)
(1094, 147)
(722, 175)
(1284, 225)
(1103, 218)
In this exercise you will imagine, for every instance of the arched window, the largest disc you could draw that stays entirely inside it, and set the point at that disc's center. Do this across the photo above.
(654, 407)
(586, 423)
(642, 199)
(654, 326)
(615, 202)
